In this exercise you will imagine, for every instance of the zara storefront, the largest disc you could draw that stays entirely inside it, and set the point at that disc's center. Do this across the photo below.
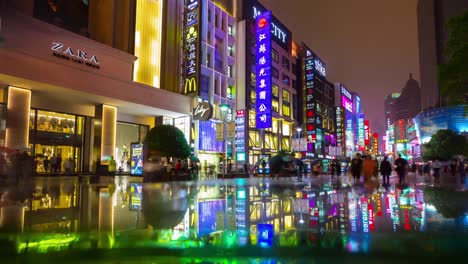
(68, 96)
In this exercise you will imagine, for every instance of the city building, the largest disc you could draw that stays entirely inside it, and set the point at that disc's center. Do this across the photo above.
(318, 105)
(346, 115)
(389, 103)
(408, 104)
(269, 116)
(433, 16)
(69, 88)
(209, 76)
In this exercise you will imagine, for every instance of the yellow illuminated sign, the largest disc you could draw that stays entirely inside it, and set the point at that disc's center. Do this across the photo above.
(190, 85)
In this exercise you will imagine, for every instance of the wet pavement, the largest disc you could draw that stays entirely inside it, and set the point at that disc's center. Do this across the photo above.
(256, 220)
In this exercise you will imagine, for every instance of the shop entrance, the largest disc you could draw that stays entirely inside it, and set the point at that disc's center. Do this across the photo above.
(56, 141)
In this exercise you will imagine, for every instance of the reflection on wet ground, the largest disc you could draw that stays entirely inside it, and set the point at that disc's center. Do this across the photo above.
(241, 220)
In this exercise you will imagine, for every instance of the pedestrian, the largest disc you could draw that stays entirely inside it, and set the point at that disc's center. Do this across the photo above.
(436, 168)
(385, 170)
(368, 168)
(461, 170)
(401, 165)
(338, 168)
(332, 169)
(263, 167)
(356, 167)
(53, 164)
(59, 164)
(300, 168)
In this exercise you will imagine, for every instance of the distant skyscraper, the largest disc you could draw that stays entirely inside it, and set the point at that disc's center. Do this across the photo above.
(408, 104)
(433, 16)
(390, 100)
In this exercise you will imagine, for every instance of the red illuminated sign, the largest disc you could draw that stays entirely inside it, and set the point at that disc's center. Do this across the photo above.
(370, 207)
(366, 133)
(262, 23)
(240, 113)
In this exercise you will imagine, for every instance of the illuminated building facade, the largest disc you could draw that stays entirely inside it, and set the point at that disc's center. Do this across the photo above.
(209, 75)
(267, 140)
(318, 105)
(345, 99)
(79, 92)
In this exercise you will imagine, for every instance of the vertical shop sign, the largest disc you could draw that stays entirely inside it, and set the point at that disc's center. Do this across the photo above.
(191, 46)
(263, 105)
(339, 126)
(366, 133)
(309, 94)
(361, 132)
(219, 132)
(240, 135)
(371, 216)
(365, 215)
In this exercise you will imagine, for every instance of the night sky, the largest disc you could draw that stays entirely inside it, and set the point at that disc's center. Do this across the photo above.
(370, 46)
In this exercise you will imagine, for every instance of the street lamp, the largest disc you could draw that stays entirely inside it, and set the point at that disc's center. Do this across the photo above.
(224, 111)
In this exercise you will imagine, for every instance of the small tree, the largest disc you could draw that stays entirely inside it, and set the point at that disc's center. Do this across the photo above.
(169, 141)
(444, 145)
(453, 74)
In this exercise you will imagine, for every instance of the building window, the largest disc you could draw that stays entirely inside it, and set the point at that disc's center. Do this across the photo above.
(208, 60)
(286, 110)
(252, 118)
(274, 55)
(230, 92)
(230, 52)
(274, 90)
(286, 79)
(230, 30)
(286, 97)
(294, 83)
(216, 20)
(285, 62)
(275, 105)
(274, 72)
(253, 96)
(229, 71)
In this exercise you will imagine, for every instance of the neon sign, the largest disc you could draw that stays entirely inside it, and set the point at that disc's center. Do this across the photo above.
(366, 133)
(346, 93)
(320, 67)
(309, 94)
(365, 215)
(240, 135)
(347, 103)
(361, 136)
(263, 103)
(352, 212)
(279, 33)
(370, 207)
(191, 46)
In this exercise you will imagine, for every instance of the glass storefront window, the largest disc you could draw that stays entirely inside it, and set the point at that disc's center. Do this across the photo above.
(274, 105)
(56, 140)
(275, 125)
(286, 129)
(286, 96)
(275, 90)
(254, 137)
(286, 110)
(252, 118)
(126, 134)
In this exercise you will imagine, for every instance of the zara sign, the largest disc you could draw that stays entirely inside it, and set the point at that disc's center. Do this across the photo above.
(76, 55)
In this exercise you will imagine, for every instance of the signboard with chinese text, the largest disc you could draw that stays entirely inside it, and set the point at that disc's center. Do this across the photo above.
(263, 105)
(366, 133)
(361, 132)
(240, 135)
(191, 46)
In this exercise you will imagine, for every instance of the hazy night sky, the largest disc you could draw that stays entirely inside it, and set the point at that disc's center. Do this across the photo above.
(370, 46)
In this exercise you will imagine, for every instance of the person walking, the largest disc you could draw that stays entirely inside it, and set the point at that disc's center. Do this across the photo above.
(356, 167)
(368, 168)
(401, 165)
(300, 168)
(436, 168)
(338, 168)
(385, 170)
(332, 169)
(461, 170)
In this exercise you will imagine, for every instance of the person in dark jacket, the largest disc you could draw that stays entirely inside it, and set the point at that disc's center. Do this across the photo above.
(385, 170)
(401, 165)
(356, 167)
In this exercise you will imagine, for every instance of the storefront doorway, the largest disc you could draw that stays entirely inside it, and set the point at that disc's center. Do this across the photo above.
(127, 134)
(55, 140)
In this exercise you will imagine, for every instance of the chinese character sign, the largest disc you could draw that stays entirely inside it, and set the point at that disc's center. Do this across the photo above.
(191, 46)
(361, 136)
(263, 105)
(366, 133)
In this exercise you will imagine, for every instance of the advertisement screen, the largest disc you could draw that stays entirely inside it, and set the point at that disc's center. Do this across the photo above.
(135, 196)
(136, 166)
(207, 212)
(347, 103)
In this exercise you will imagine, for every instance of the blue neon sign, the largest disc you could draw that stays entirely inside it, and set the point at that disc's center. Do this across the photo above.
(263, 103)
